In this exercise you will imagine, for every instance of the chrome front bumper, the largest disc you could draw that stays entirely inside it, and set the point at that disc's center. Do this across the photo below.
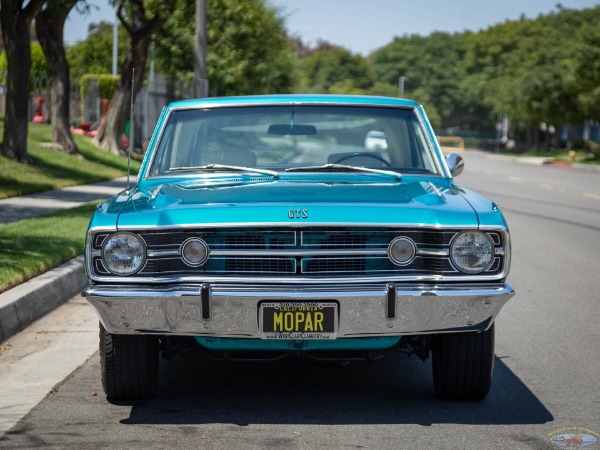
(220, 310)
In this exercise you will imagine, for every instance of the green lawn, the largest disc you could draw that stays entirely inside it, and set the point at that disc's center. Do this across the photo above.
(56, 169)
(32, 246)
(581, 156)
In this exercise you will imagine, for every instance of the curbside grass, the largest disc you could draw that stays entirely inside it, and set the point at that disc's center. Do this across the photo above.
(55, 169)
(33, 246)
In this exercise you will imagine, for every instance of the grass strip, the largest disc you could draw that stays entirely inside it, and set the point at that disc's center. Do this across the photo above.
(55, 169)
(581, 156)
(31, 247)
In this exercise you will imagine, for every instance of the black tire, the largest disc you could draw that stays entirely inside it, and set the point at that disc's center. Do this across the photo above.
(463, 364)
(129, 365)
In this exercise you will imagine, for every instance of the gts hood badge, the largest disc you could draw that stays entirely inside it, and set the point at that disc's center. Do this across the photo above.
(298, 213)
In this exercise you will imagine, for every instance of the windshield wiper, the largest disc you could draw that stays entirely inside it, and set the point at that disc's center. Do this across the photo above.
(344, 168)
(223, 167)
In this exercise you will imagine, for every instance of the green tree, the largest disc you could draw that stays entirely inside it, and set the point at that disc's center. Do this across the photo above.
(50, 23)
(39, 65)
(432, 68)
(248, 51)
(15, 20)
(94, 54)
(333, 69)
(587, 68)
(536, 70)
(141, 20)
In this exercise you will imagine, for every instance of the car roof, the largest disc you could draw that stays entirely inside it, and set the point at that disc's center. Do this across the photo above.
(294, 99)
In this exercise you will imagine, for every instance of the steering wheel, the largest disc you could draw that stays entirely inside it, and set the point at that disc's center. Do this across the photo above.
(367, 154)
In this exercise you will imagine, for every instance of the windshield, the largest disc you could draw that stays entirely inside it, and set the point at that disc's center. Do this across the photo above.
(287, 137)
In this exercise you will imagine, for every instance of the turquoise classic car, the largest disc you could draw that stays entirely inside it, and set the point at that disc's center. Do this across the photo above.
(326, 227)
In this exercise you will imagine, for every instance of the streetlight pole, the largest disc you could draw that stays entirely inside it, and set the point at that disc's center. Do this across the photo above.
(401, 85)
(200, 81)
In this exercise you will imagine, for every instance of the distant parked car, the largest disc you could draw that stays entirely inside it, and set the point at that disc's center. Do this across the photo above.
(261, 227)
(375, 140)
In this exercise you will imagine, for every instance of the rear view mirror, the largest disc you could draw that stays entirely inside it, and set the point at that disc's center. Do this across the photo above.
(285, 129)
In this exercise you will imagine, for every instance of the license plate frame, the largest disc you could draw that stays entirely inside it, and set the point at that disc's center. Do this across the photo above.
(282, 319)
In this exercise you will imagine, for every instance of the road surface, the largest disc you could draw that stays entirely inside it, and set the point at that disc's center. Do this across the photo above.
(545, 382)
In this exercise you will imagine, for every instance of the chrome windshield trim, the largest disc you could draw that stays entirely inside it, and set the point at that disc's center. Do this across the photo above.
(442, 171)
(441, 165)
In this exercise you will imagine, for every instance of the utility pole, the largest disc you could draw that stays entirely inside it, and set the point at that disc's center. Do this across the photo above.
(115, 45)
(200, 81)
(401, 85)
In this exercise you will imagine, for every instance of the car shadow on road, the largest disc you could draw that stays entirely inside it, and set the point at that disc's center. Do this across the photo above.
(394, 390)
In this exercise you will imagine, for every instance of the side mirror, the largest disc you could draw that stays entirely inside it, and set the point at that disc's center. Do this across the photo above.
(455, 164)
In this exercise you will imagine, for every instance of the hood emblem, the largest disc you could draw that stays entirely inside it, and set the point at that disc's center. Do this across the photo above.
(298, 213)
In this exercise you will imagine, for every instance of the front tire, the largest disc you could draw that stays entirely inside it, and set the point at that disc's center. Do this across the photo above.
(463, 364)
(129, 365)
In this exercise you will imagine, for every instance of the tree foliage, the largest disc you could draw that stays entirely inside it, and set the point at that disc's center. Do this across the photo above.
(531, 70)
(248, 51)
(39, 65)
(50, 25)
(106, 84)
(94, 54)
(334, 69)
(431, 68)
(15, 21)
(142, 19)
(545, 69)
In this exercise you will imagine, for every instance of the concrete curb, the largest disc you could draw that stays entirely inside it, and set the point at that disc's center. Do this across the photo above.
(26, 303)
(530, 161)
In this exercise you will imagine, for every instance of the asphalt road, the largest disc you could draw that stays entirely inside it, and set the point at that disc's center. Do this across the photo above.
(545, 382)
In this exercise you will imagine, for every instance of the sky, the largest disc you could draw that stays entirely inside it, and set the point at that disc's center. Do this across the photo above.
(364, 26)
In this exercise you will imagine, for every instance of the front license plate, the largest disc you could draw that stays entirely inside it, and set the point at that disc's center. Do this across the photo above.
(298, 320)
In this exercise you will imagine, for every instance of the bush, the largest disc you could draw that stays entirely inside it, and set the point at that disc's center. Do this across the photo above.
(106, 84)
(594, 147)
(39, 65)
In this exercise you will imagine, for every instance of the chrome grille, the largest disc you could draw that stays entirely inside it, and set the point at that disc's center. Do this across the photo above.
(303, 252)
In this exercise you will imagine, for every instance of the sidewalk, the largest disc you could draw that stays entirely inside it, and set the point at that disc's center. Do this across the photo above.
(24, 304)
(27, 206)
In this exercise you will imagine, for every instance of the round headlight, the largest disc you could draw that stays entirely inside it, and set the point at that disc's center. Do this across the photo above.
(124, 253)
(402, 251)
(194, 251)
(472, 252)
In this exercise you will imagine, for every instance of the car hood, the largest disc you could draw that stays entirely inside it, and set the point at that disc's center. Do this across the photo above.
(296, 203)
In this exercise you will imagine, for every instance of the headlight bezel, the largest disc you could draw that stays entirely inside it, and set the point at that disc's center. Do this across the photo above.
(143, 253)
(463, 268)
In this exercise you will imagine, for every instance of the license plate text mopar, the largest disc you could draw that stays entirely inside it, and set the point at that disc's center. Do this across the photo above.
(286, 317)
